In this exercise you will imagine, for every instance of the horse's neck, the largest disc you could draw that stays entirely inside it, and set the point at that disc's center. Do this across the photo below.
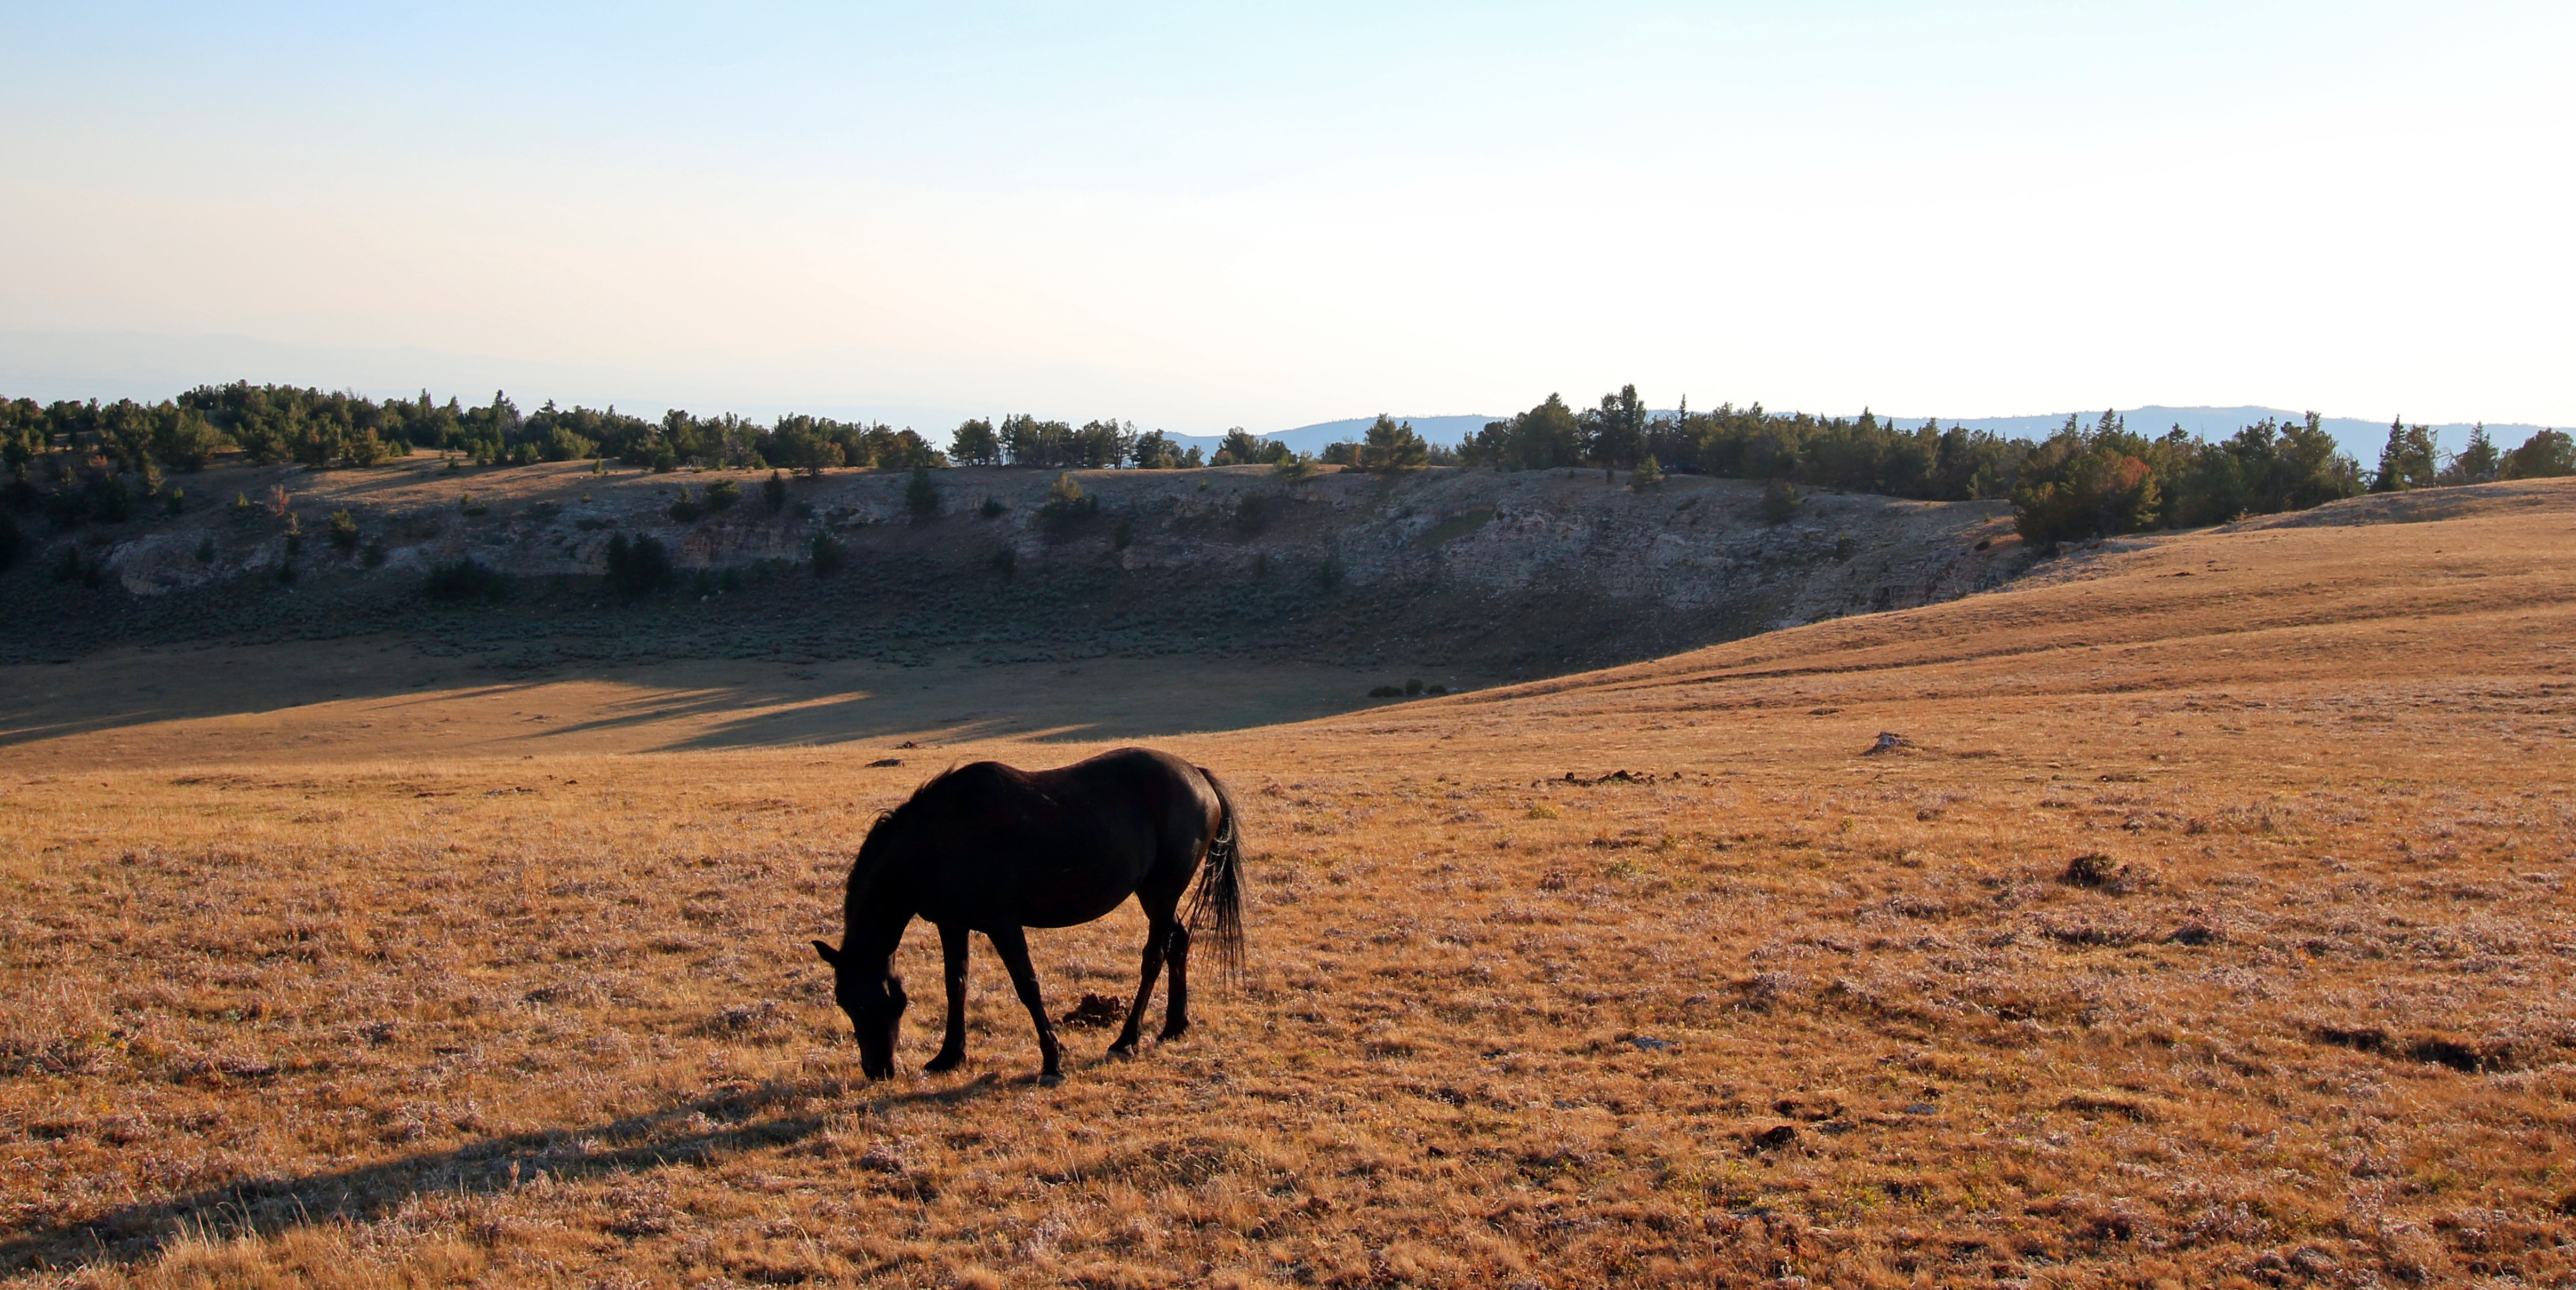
(875, 917)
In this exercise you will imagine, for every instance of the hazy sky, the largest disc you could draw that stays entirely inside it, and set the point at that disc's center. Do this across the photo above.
(1209, 215)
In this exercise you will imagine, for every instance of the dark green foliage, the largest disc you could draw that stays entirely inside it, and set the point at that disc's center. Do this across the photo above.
(828, 555)
(638, 566)
(1340, 454)
(206, 549)
(2549, 454)
(921, 496)
(344, 530)
(466, 580)
(975, 444)
(1251, 513)
(722, 495)
(773, 492)
(175, 502)
(294, 535)
(286, 569)
(1154, 450)
(1386, 692)
(2082, 484)
(1413, 687)
(2479, 462)
(1240, 447)
(2409, 460)
(991, 509)
(1121, 536)
(1780, 501)
(686, 509)
(1097, 445)
(1393, 446)
(1648, 473)
(563, 443)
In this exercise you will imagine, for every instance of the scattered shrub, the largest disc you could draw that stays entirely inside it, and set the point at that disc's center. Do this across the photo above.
(1124, 534)
(828, 556)
(1647, 475)
(176, 502)
(773, 492)
(637, 566)
(1006, 562)
(294, 539)
(1251, 514)
(344, 530)
(721, 495)
(1780, 501)
(466, 580)
(686, 510)
(991, 509)
(1413, 687)
(206, 549)
(241, 505)
(1386, 692)
(373, 556)
(921, 496)
(1066, 505)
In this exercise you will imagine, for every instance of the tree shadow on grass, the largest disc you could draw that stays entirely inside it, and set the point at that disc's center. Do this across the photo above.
(762, 1116)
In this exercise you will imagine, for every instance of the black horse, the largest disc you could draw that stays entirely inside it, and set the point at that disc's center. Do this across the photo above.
(987, 848)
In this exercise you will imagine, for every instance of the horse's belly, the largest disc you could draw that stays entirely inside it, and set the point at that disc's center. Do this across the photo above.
(1041, 899)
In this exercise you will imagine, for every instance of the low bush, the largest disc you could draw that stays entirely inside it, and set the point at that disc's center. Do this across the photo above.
(344, 530)
(638, 566)
(722, 494)
(465, 580)
(828, 555)
(686, 510)
(1780, 501)
(921, 496)
(991, 509)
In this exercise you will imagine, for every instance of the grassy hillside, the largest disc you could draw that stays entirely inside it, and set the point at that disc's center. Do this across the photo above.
(2207, 923)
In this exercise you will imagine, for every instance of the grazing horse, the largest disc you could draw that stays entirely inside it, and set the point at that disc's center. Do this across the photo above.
(988, 848)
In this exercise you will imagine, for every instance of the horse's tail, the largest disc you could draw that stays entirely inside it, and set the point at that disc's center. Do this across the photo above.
(1218, 904)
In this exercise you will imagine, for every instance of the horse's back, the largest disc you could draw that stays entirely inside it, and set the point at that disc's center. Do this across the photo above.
(1054, 847)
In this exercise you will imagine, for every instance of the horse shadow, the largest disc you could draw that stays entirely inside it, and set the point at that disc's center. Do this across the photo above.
(694, 1131)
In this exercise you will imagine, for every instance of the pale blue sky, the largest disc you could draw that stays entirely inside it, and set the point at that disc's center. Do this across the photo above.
(1201, 216)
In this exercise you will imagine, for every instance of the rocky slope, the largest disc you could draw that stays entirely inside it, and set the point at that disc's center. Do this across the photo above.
(1497, 574)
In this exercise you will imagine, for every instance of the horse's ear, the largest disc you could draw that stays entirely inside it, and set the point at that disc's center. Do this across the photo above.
(830, 955)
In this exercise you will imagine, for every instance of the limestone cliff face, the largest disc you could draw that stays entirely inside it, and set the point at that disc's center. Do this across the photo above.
(1480, 551)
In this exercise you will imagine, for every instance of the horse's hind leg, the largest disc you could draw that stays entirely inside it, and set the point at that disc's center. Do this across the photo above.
(952, 1049)
(1159, 927)
(1013, 945)
(1176, 1005)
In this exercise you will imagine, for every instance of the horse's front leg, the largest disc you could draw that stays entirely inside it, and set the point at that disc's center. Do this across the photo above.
(1013, 945)
(952, 1048)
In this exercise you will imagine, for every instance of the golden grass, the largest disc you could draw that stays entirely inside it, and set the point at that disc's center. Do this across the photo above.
(1767, 1007)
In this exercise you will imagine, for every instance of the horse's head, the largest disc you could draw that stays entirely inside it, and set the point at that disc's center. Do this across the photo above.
(873, 996)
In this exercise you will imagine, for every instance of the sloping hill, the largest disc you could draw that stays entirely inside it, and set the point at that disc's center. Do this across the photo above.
(2208, 923)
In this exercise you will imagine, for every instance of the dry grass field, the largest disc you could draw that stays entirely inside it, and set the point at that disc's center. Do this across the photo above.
(2210, 925)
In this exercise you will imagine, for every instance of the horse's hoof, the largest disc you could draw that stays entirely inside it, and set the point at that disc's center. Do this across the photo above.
(1049, 1079)
(943, 1063)
(1171, 1034)
(1122, 1052)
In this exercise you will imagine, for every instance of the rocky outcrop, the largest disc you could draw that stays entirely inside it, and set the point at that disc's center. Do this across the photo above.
(1527, 570)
